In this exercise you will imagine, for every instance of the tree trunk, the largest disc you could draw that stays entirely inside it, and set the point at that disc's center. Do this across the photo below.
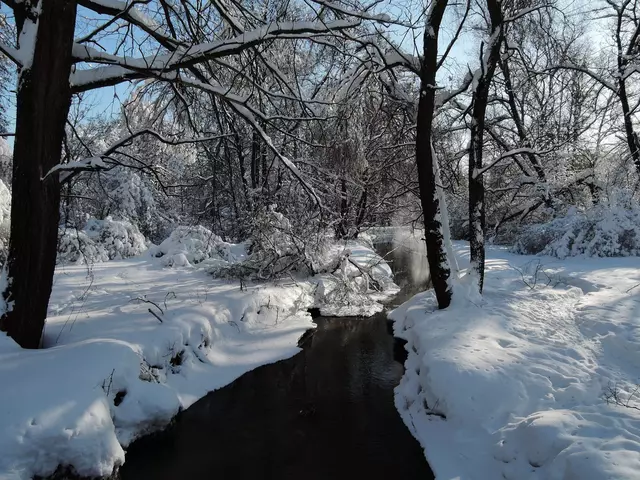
(476, 182)
(255, 158)
(43, 101)
(425, 159)
(630, 134)
(342, 228)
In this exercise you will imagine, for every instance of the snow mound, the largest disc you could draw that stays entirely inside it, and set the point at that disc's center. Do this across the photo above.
(193, 245)
(605, 230)
(100, 241)
(518, 383)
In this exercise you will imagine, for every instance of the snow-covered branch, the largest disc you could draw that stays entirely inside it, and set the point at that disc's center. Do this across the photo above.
(509, 154)
(123, 68)
(127, 11)
(598, 78)
(11, 53)
(104, 160)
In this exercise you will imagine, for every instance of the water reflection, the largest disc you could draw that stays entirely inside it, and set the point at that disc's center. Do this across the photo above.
(327, 413)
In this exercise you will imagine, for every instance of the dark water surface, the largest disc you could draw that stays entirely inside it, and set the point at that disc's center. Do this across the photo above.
(326, 413)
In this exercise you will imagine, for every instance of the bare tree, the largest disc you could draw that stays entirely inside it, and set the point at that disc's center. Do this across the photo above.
(427, 163)
(481, 84)
(625, 17)
(45, 55)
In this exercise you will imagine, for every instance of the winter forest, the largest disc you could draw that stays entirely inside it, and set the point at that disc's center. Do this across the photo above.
(400, 236)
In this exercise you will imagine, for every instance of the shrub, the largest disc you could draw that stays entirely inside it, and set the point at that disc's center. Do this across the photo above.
(100, 241)
(277, 248)
(610, 229)
(193, 245)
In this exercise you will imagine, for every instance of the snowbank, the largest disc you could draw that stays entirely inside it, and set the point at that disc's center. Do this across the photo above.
(129, 343)
(523, 374)
(354, 282)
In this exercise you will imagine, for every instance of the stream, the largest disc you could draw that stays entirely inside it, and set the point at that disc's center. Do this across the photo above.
(326, 413)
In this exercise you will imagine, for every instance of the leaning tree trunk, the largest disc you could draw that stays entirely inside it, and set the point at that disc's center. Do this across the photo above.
(476, 182)
(43, 101)
(425, 160)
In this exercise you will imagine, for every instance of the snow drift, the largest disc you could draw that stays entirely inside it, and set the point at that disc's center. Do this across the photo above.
(125, 349)
(524, 375)
(130, 342)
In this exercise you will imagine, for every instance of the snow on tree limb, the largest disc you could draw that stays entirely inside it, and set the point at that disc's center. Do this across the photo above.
(122, 68)
(105, 162)
(509, 154)
(240, 106)
(210, 50)
(383, 18)
(11, 53)
(28, 35)
(128, 12)
(598, 78)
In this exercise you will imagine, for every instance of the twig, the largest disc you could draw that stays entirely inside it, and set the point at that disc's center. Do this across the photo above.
(629, 289)
(155, 315)
(141, 299)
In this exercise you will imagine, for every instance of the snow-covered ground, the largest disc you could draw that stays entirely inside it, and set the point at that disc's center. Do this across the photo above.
(523, 374)
(129, 343)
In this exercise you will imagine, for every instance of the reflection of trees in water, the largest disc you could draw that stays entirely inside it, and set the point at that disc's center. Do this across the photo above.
(364, 362)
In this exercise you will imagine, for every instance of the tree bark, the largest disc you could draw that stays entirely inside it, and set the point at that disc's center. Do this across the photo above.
(425, 159)
(476, 144)
(630, 134)
(342, 228)
(43, 101)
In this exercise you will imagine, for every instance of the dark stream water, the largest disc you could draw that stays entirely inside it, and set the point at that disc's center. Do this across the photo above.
(326, 413)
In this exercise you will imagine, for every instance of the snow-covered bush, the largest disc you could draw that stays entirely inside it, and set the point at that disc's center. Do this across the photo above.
(609, 229)
(120, 239)
(354, 283)
(193, 245)
(75, 246)
(100, 241)
(277, 248)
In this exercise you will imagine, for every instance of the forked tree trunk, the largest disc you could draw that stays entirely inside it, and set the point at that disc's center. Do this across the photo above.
(425, 159)
(43, 101)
